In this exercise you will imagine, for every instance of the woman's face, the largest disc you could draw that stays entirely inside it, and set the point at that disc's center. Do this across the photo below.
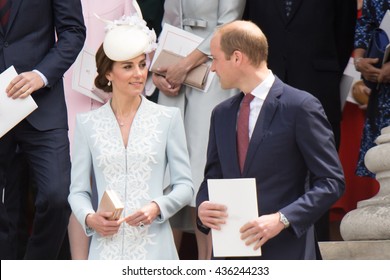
(128, 77)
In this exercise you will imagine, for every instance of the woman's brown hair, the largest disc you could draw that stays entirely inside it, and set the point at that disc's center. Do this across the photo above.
(103, 65)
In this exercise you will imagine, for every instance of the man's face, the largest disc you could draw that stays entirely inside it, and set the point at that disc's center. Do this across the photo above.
(223, 67)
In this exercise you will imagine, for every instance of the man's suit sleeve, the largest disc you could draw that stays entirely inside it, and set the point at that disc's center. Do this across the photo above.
(71, 33)
(315, 140)
(212, 170)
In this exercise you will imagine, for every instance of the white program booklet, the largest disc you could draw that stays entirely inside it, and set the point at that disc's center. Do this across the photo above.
(12, 111)
(240, 198)
(84, 73)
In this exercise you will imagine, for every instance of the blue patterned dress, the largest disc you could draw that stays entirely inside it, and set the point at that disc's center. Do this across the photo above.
(378, 110)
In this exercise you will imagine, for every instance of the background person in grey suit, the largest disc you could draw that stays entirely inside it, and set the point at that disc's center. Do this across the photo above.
(289, 137)
(41, 39)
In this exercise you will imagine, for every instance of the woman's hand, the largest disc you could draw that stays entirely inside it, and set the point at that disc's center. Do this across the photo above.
(384, 76)
(177, 73)
(101, 224)
(366, 67)
(164, 86)
(143, 216)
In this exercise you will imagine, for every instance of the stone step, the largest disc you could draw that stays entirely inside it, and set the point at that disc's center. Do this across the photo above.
(355, 250)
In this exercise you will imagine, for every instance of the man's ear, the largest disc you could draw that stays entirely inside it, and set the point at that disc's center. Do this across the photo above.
(237, 56)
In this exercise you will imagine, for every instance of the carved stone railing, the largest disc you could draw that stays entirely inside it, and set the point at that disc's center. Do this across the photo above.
(371, 219)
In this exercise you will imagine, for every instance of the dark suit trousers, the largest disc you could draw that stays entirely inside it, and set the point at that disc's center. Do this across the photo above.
(47, 153)
(6, 250)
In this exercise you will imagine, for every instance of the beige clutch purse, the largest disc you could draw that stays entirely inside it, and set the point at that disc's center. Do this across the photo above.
(197, 77)
(111, 203)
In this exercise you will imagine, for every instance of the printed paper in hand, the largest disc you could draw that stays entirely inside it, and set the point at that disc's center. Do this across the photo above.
(239, 196)
(12, 111)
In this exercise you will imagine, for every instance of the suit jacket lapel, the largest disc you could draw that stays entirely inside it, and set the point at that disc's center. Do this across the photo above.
(13, 12)
(264, 120)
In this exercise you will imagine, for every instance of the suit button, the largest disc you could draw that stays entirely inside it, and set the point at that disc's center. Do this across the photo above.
(5, 44)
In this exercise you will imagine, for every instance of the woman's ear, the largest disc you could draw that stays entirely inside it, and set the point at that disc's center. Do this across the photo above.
(108, 76)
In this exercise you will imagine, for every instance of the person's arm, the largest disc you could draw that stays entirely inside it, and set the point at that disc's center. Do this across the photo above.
(71, 32)
(227, 11)
(314, 137)
(80, 187)
(384, 75)
(176, 74)
(179, 169)
(365, 65)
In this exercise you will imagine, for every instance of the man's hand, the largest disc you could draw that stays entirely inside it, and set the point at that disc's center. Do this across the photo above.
(212, 215)
(24, 85)
(258, 231)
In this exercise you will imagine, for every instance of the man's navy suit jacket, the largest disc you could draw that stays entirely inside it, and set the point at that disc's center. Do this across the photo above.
(29, 42)
(292, 136)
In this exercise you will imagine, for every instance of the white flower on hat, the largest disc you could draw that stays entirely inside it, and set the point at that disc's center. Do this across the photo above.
(128, 37)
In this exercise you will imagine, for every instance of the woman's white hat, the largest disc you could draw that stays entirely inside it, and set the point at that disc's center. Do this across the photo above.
(128, 37)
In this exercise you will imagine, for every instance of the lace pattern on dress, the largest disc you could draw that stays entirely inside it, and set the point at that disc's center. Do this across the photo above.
(127, 171)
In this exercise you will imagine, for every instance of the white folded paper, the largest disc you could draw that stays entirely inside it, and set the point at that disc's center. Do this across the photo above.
(349, 78)
(12, 111)
(240, 198)
(385, 25)
(84, 73)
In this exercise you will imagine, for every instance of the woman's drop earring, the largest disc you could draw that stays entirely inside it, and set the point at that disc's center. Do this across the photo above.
(109, 83)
